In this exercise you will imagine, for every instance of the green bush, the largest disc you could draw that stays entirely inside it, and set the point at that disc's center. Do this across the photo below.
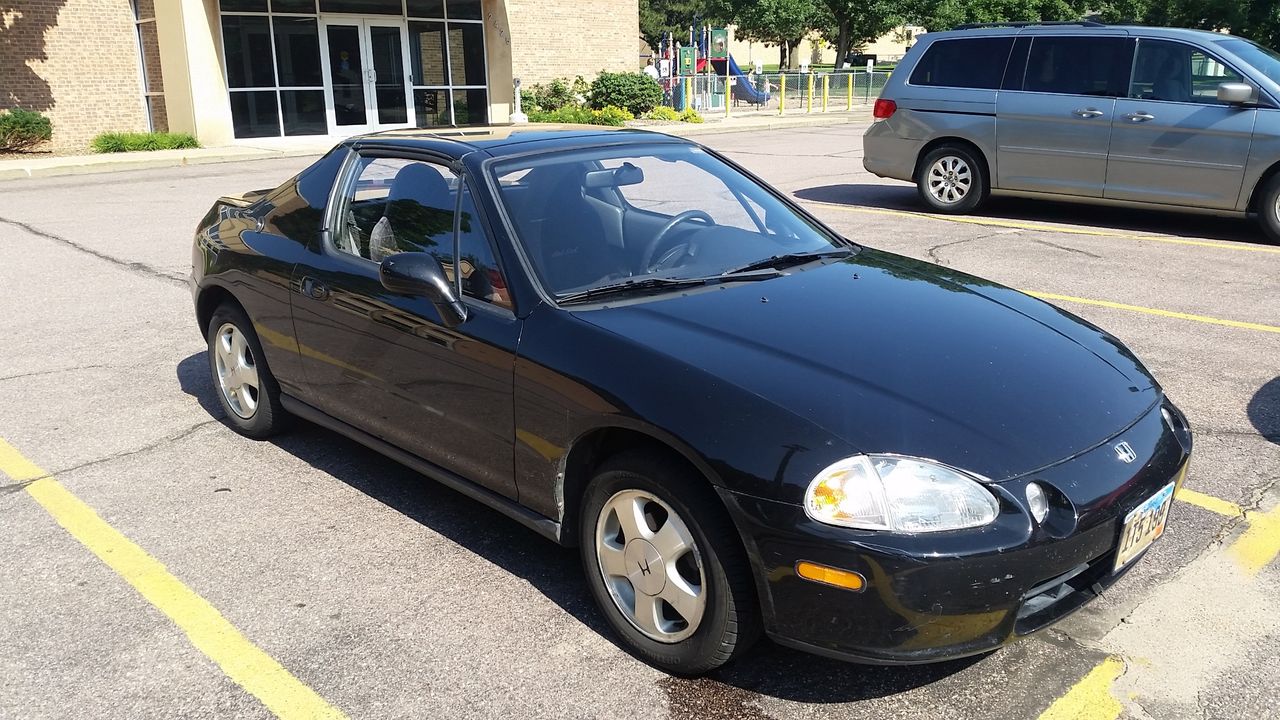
(111, 142)
(662, 112)
(583, 116)
(635, 91)
(557, 94)
(690, 116)
(23, 129)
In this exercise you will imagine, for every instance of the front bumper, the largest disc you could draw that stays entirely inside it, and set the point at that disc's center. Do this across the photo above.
(939, 596)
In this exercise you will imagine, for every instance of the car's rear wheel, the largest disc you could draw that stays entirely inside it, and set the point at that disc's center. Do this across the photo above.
(666, 566)
(1269, 209)
(951, 179)
(246, 389)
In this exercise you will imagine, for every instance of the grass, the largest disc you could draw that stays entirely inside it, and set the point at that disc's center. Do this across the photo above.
(113, 142)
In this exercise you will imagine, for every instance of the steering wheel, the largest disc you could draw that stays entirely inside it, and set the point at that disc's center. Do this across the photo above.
(646, 259)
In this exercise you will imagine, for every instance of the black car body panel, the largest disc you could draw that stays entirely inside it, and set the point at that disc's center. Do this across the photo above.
(758, 385)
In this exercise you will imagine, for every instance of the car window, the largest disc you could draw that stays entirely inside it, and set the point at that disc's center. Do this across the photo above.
(397, 205)
(1263, 59)
(1097, 66)
(665, 190)
(968, 63)
(1177, 72)
(630, 212)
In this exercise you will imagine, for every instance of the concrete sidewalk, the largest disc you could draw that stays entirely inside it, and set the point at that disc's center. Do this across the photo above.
(264, 148)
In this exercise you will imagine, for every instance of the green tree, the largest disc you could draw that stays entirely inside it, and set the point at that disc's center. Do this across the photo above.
(937, 15)
(1258, 20)
(659, 17)
(781, 22)
(854, 23)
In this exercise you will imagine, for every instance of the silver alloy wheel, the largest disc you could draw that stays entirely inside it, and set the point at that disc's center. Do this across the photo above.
(237, 371)
(949, 180)
(651, 566)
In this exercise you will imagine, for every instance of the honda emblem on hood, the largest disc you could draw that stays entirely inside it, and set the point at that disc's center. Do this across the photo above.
(1125, 452)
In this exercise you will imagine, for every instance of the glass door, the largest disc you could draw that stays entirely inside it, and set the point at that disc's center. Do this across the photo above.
(366, 84)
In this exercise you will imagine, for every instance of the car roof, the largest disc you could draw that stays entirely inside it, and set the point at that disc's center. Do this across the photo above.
(507, 139)
(1081, 29)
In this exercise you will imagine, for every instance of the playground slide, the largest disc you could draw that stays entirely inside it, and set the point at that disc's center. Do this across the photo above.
(743, 89)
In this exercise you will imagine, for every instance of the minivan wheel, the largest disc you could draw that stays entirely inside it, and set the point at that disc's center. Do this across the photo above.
(952, 180)
(1269, 209)
(666, 566)
(246, 389)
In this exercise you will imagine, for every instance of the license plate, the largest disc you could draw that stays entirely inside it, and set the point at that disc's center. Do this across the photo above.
(1143, 525)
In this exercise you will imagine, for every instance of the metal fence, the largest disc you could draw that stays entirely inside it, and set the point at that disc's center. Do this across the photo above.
(787, 93)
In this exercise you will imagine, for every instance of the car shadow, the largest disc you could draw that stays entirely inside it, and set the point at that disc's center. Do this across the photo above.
(903, 197)
(556, 572)
(1264, 411)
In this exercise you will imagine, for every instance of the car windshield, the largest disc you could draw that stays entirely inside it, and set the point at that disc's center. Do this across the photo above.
(1264, 59)
(625, 217)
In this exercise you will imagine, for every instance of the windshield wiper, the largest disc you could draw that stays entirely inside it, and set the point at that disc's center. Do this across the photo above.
(778, 262)
(659, 283)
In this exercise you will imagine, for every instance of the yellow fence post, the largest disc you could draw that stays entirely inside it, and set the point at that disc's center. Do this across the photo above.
(848, 86)
(728, 90)
(809, 99)
(688, 93)
(826, 89)
(782, 94)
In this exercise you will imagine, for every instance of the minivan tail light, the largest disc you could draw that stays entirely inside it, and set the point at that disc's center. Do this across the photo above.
(884, 109)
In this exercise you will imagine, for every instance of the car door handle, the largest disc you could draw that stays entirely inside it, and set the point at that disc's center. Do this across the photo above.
(1138, 117)
(1089, 113)
(315, 289)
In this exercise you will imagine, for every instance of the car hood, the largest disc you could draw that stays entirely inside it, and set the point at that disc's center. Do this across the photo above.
(901, 356)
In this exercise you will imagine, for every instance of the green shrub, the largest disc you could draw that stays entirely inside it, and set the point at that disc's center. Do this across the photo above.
(662, 112)
(635, 91)
(583, 116)
(690, 116)
(111, 142)
(23, 129)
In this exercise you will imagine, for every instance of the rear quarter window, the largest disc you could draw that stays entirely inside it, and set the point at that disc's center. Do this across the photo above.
(976, 63)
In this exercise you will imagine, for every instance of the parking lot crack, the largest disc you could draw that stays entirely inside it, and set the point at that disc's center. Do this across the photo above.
(175, 437)
(1065, 248)
(38, 373)
(134, 267)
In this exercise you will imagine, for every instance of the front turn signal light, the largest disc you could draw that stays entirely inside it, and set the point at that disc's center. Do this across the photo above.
(846, 579)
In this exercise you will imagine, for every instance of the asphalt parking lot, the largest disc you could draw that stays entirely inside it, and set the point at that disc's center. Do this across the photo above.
(348, 585)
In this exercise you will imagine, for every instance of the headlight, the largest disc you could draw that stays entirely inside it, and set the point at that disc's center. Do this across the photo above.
(899, 494)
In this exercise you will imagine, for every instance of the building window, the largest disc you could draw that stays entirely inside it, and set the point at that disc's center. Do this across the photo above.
(274, 54)
(144, 18)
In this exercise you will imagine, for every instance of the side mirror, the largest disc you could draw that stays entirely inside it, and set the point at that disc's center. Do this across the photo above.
(1236, 93)
(420, 274)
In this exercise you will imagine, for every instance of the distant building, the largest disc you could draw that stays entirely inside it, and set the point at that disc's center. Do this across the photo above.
(815, 48)
(226, 69)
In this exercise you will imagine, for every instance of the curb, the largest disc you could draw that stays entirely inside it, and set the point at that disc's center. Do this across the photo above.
(748, 124)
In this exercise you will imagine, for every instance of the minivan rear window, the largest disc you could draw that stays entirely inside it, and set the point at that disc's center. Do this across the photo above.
(966, 63)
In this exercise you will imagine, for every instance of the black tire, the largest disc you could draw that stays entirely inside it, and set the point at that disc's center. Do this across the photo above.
(975, 193)
(1269, 209)
(730, 622)
(267, 417)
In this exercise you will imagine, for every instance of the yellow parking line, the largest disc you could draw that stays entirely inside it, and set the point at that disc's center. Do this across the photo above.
(1209, 502)
(206, 628)
(1091, 698)
(1038, 227)
(1156, 311)
(1260, 544)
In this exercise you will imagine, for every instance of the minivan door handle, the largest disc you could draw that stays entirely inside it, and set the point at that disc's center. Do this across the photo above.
(1138, 117)
(1089, 112)
(314, 289)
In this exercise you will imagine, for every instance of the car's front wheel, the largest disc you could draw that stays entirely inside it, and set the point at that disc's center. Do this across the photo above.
(246, 389)
(953, 180)
(1269, 209)
(666, 566)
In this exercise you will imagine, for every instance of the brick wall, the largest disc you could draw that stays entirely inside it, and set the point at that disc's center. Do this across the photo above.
(564, 38)
(77, 62)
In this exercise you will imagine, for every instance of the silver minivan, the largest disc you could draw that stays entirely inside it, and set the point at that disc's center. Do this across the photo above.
(1170, 118)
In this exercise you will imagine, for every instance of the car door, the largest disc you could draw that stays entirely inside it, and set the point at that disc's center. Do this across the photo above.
(1053, 129)
(1171, 140)
(386, 363)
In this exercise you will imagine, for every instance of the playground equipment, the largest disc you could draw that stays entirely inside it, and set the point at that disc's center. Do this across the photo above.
(743, 88)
